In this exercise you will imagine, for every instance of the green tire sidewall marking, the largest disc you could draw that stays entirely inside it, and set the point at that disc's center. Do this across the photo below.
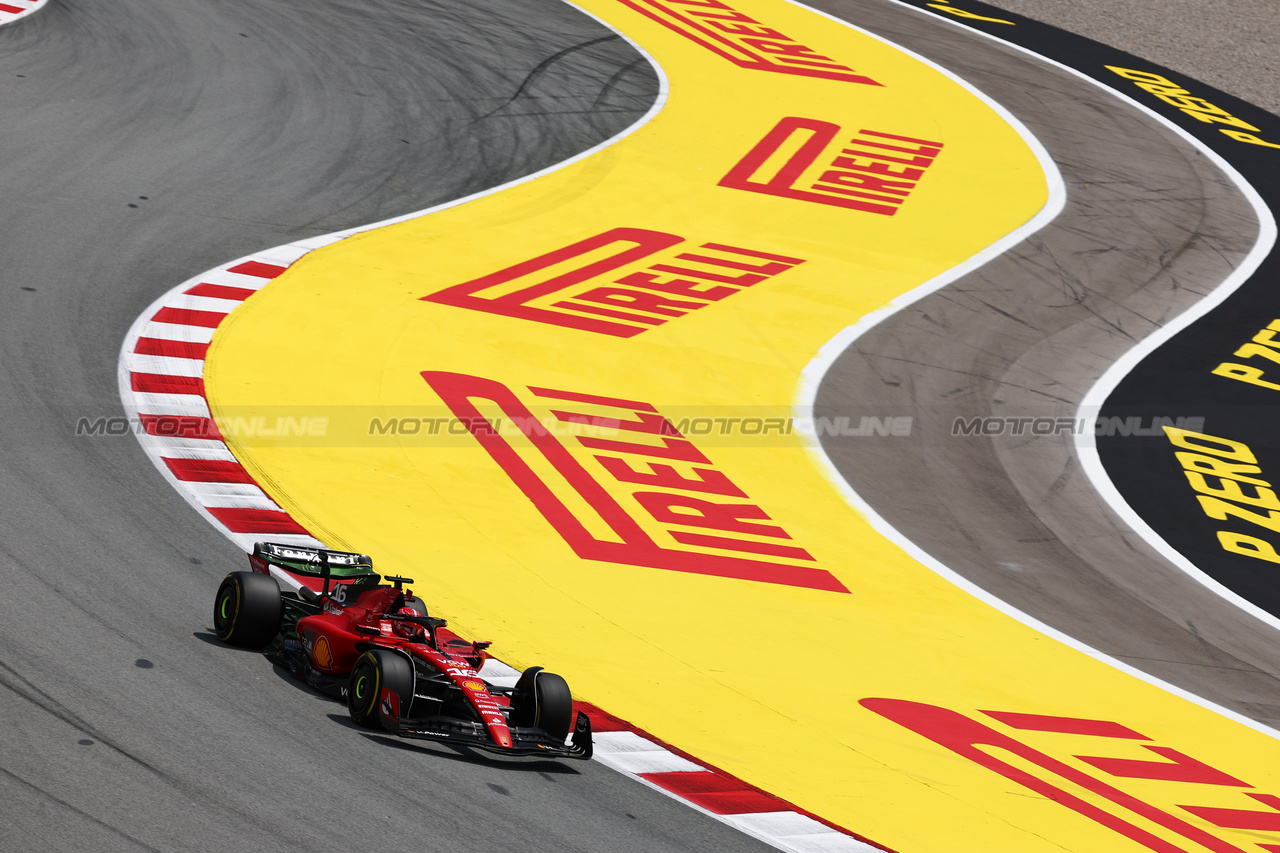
(229, 622)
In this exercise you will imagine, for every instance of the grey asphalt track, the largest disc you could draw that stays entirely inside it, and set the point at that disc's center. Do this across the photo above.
(1233, 46)
(146, 141)
(143, 142)
(1150, 226)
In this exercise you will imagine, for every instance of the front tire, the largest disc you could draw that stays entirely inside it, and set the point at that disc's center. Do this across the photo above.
(247, 609)
(542, 700)
(374, 670)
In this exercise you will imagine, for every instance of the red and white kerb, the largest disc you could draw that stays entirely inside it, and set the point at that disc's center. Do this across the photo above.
(12, 10)
(162, 386)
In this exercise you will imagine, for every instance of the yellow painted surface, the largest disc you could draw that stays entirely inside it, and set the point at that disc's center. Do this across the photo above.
(761, 679)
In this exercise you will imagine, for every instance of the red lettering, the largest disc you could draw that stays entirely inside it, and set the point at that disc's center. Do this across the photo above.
(771, 549)
(929, 149)
(1179, 768)
(640, 300)
(972, 740)
(674, 448)
(1244, 818)
(872, 155)
(853, 164)
(650, 423)
(652, 296)
(682, 286)
(627, 244)
(867, 183)
(630, 544)
(744, 280)
(817, 134)
(842, 189)
(661, 476)
(731, 16)
(833, 188)
(782, 259)
(787, 48)
(1065, 725)
(609, 312)
(746, 29)
(758, 47)
(924, 142)
(592, 399)
(767, 269)
(729, 517)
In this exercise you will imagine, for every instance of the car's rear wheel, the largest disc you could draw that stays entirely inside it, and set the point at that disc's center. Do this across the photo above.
(542, 700)
(246, 611)
(375, 670)
(417, 605)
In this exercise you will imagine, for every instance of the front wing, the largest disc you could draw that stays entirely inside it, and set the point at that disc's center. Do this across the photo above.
(525, 741)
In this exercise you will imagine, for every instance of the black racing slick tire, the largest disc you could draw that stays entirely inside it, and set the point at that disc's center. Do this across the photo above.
(375, 670)
(417, 605)
(542, 700)
(247, 609)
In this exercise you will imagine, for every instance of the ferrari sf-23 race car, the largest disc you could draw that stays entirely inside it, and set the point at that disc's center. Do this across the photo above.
(328, 618)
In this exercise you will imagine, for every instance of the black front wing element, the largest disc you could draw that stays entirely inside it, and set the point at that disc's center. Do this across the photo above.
(525, 741)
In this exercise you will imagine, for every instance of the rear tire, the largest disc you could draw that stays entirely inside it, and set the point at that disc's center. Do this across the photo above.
(542, 700)
(417, 605)
(374, 670)
(247, 609)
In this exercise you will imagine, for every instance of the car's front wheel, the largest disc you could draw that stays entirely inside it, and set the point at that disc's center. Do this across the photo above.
(542, 700)
(375, 670)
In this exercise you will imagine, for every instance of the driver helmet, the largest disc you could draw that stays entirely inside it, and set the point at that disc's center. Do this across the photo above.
(408, 630)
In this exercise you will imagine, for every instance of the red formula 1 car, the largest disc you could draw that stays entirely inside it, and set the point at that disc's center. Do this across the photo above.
(327, 618)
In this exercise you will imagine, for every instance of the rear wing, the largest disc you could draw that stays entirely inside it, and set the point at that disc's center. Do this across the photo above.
(304, 560)
(300, 560)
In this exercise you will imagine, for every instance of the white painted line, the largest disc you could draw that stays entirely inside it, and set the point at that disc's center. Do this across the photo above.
(181, 405)
(188, 302)
(654, 761)
(782, 823)
(239, 495)
(189, 448)
(163, 365)
(617, 743)
(176, 332)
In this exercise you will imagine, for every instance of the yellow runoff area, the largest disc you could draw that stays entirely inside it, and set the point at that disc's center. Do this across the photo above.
(564, 409)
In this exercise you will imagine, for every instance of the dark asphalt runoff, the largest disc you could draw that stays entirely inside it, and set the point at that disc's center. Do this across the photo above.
(143, 142)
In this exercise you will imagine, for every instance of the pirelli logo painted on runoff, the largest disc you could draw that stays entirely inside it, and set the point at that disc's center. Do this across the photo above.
(620, 282)
(743, 40)
(655, 500)
(816, 161)
(1098, 768)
